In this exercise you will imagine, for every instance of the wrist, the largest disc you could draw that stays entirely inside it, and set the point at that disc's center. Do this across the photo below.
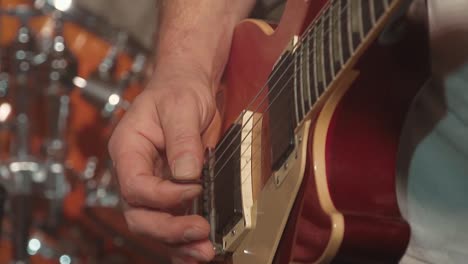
(192, 63)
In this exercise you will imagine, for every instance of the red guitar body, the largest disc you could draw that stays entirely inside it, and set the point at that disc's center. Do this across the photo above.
(361, 143)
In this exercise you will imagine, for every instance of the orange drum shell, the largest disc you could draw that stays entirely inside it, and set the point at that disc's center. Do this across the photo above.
(88, 133)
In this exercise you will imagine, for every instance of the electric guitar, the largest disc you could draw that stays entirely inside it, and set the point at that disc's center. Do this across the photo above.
(304, 171)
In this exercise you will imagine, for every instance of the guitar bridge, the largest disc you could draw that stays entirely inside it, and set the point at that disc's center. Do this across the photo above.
(230, 175)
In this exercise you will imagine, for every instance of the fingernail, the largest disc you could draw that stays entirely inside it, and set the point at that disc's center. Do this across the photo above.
(193, 234)
(185, 167)
(190, 194)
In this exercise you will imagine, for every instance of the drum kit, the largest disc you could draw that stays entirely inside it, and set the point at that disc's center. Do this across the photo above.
(66, 78)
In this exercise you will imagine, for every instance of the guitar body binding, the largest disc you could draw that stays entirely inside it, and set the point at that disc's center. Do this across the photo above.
(344, 207)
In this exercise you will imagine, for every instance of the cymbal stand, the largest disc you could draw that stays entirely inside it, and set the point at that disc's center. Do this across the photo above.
(107, 67)
(3, 75)
(58, 112)
(23, 168)
(103, 89)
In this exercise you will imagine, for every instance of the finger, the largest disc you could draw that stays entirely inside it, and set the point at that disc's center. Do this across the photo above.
(134, 156)
(166, 227)
(200, 251)
(141, 188)
(180, 117)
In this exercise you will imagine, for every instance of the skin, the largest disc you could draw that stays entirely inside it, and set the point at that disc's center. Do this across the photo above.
(160, 136)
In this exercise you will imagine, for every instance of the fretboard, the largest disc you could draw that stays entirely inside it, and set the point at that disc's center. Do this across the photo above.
(305, 73)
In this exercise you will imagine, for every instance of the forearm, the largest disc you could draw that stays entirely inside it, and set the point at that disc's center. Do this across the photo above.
(196, 35)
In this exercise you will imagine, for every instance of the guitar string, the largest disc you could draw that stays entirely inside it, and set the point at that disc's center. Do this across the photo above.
(250, 105)
(325, 9)
(254, 153)
(310, 27)
(273, 100)
(273, 87)
(268, 107)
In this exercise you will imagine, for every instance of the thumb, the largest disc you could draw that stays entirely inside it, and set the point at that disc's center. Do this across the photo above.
(180, 120)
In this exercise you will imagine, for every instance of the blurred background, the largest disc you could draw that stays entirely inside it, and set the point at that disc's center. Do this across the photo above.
(68, 70)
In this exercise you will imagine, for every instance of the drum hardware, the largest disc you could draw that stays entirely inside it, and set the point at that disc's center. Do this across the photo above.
(101, 94)
(136, 72)
(20, 172)
(101, 194)
(106, 95)
(106, 69)
(4, 82)
(3, 197)
(38, 246)
(22, 169)
(56, 186)
(102, 90)
(90, 169)
(62, 64)
(60, 5)
(55, 190)
(55, 56)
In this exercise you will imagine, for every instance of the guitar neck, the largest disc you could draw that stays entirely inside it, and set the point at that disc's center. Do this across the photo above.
(330, 44)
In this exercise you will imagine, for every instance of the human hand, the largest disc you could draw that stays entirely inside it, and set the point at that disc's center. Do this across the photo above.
(158, 138)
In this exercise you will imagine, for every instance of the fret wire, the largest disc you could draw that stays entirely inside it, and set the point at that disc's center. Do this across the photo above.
(386, 3)
(314, 51)
(307, 76)
(322, 55)
(361, 23)
(256, 123)
(300, 83)
(366, 13)
(303, 95)
(269, 106)
(332, 46)
(340, 42)
(309, 30)
(318, 52)
(350, 31)
(330, 42)
(344, 40)
(296, 106)
(372, 11)
(338, 33)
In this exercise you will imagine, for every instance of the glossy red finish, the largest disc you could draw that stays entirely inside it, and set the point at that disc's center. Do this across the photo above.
(361, 144)
(253, 55)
